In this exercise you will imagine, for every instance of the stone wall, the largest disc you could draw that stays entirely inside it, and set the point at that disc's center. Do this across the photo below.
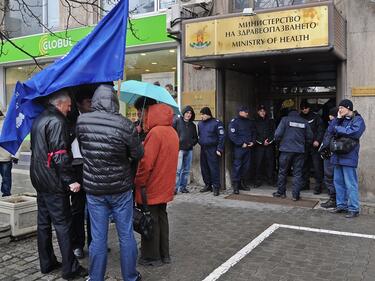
(360, 72)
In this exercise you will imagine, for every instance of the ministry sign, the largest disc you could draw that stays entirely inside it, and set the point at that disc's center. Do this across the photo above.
(289, 29)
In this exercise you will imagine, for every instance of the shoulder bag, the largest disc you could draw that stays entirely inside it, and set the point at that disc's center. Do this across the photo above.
(142, 220)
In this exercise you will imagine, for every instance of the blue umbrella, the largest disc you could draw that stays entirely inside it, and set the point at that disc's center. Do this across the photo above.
(132, 89)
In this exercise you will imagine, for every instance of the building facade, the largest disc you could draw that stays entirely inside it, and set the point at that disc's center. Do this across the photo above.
(278, 53)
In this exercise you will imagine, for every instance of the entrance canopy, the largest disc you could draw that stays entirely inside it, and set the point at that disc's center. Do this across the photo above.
(271, 41)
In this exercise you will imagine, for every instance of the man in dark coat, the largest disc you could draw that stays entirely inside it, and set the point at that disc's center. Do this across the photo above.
(107, 141)
(211, 137)
(52, 176)
(348, 124)
(317, 127)
(264, 147)
(242, 133)
(187, 134)
(293, 135)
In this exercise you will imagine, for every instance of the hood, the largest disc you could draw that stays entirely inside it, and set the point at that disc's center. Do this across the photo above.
(105, 99)
(186, 109)
(293, 113)
(158, 115)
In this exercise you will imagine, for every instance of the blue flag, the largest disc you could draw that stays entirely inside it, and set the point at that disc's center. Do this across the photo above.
(99, 57)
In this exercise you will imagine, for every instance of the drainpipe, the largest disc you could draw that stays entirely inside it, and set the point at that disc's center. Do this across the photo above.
(45, 14)
(179, 76)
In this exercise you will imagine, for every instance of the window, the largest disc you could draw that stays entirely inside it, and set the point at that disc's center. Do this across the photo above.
(165, 4)
(141, 6)
(53, 12)
(21, 17)
(264, 4)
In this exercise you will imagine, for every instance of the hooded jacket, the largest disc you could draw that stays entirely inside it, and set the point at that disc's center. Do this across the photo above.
(157, 169)
(352, 127)
(187, 131)
(49, 134)
(108, 142)
(293, 134)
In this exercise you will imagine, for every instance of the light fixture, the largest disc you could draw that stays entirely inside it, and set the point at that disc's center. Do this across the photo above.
(265, 61)
(174, 68)
(143, 54)
(172, 51)
(20, 67)
(147, 70)
(299, 59)
(154, 63)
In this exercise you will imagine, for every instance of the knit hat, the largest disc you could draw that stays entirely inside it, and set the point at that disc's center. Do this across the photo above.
(304, 104)
(243, 108)
(347, 104)
(333, 111)
(206, 110)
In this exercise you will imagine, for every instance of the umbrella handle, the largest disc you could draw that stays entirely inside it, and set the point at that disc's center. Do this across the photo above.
(118, 87)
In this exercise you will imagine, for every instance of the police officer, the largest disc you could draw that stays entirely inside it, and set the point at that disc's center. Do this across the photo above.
(211, 137)
(317, 127)
(293, 134)
(264, 147)
(241, 132)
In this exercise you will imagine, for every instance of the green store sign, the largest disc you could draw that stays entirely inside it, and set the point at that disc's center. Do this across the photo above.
(149, 30)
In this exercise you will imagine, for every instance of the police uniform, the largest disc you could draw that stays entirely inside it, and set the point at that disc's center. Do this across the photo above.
(293, 134)
(241, 130)
(211, 137)
(317, 128)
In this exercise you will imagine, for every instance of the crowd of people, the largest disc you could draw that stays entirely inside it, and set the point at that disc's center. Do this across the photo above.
(302, 142)
(93, 168)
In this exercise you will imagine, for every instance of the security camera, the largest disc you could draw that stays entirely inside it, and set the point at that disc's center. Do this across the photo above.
(248, 12)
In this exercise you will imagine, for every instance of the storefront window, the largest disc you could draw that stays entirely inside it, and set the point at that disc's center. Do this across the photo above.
(239, 5)
(21, 17)
(153, 67)
(18, 73)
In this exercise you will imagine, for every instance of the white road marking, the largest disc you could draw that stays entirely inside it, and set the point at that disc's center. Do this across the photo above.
(222, 269)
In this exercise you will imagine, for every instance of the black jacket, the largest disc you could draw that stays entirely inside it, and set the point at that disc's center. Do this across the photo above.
(293, 133)
(49, 134)
(187, 131)
(316, 125)
(107, 141)
(265, 129)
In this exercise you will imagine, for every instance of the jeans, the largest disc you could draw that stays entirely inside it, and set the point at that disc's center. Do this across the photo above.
(185, 158)
(346, 185)
(6, 175)
(100, 207)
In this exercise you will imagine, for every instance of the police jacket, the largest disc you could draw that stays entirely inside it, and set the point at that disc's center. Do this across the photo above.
(265, 129)
(107, 140)
(316, 125)
(211, 133)
(353, 127)
(51, 161)
(293, 133)
(241, 130)
(187, 131)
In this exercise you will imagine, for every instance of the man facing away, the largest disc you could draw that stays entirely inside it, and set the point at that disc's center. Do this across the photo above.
(293, 135)
(52, 176)
(211, 139)
(349, 124)
(107, 141)
(187, 134)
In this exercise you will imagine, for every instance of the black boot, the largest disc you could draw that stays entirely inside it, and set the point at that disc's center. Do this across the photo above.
(331, 203)
(216, 191)
(206, 188)
(236, 188)
(244, 186)
(317, 190)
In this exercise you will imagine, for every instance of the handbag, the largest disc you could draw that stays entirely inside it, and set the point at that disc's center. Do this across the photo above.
(142, 220)
(343, 145)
